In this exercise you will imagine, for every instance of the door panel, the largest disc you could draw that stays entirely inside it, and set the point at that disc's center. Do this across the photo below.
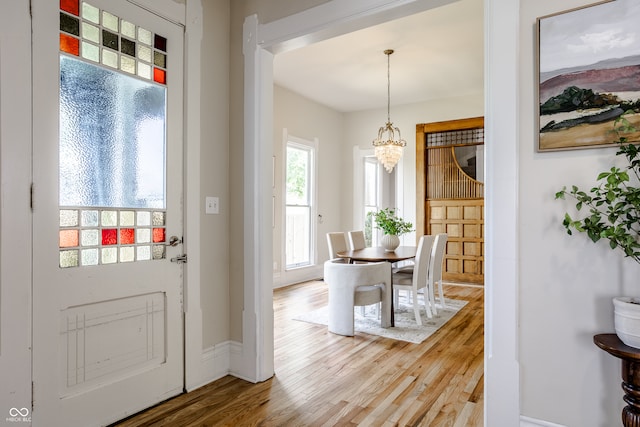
(107, 300)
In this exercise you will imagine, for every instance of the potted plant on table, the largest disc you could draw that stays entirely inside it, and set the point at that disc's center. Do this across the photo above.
(613, 207)
(392, 226)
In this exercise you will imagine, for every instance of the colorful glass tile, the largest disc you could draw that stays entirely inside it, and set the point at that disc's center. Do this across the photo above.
(127, 236)
(90, 13)
(90, 52)
(158, 218)
(89, 237)
(143, 235)
(68, 238)
(90, 32)
(144, 70)
(89, 218)
(127, 47)
(128, 29)
(69, 44)
(109, 255)
(69, 24)
(159, 76)
(160, 59)
(89, 256)
(109, 58)
(71, 6)
(144, 36)
(158, 252)
(143, 218)
(127, 218)
(109, 218)
(68, 218)
(69, 258)
(128, 64)
(127, 254)
(160, 42)
(109, 236)
(158, 235)
(110, 21)
(143, 253)
(109, 40)
(144, 53)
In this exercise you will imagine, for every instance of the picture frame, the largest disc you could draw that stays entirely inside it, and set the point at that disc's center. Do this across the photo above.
(588, 75)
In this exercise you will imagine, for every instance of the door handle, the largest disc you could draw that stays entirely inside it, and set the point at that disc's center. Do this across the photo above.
(173, 241)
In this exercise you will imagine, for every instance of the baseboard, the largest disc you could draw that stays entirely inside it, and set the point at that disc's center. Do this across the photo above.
(298, 275)
(215, 364)
(530, 422)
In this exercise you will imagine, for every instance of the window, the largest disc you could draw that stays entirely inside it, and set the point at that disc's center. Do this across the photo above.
(372, 196)
(299, 203)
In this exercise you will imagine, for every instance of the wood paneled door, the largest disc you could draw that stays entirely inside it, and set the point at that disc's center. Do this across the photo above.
(450, 193)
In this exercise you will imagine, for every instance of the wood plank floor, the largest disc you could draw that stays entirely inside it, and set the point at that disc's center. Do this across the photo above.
(324, 379)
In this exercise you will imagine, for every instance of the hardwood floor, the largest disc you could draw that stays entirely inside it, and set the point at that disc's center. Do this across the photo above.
(324, 379)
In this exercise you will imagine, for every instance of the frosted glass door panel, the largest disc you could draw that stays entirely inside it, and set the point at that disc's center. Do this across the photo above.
(112, 138)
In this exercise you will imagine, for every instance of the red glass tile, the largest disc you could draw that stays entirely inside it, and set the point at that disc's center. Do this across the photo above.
(160, 76)
(71, 6)
(126, 236)
(158, 235)
(68, 238)
(69, 44)
(109, 236)
(160, 43)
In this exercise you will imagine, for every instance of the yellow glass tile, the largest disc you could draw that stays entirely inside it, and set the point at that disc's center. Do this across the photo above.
(158, 252)
(110, 21)
(128, 64)
(127, 218)
(128, 29)
(143, 253)
(90, 52)
(109, 58)
(69, 258)
(144, 53)
(90, 32)
(90, 13)
(143, 235)
(68, 218)
(109, 255)
(144, 36)
(144, 70)
(89, 256)
(109, 218)
(158, 218)
(127, 254)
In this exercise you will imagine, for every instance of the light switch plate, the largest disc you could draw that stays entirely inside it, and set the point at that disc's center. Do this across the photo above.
(212, 205)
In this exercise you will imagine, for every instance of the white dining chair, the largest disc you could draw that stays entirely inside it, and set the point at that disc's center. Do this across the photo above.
(417, 279)
(435, 269)
(352, 285)
(337, 242)
(356, 240)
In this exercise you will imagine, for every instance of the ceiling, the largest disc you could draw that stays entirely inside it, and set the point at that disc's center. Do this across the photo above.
(438, 54)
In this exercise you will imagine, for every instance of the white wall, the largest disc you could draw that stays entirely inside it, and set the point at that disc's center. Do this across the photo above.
(566, 283)
(308, 120)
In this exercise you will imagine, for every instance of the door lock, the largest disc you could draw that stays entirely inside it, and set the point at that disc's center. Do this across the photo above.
(180, 259)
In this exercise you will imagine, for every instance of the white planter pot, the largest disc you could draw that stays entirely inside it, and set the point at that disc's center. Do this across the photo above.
(390, 242)
(626, 316)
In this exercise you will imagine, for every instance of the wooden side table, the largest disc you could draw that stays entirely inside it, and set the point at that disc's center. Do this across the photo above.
(630, 375)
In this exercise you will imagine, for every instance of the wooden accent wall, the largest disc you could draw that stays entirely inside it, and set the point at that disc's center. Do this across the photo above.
(447, 200)
(463, 221)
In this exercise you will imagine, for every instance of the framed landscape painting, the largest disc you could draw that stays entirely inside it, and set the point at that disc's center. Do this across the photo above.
(589, 75)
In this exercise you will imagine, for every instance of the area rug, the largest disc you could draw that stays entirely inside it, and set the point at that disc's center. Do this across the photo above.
(405, 328)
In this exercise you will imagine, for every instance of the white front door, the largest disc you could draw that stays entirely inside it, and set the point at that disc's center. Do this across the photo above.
(107, 198)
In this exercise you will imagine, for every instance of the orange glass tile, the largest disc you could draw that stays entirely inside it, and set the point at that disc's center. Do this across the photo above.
(69, 44)
(159, 76)
(71, 6)
(158, 235)
(126, 236)
(68, 238)
(109, 236)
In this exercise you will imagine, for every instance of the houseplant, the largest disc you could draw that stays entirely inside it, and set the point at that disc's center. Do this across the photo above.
(613, 213)
(392, 226)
